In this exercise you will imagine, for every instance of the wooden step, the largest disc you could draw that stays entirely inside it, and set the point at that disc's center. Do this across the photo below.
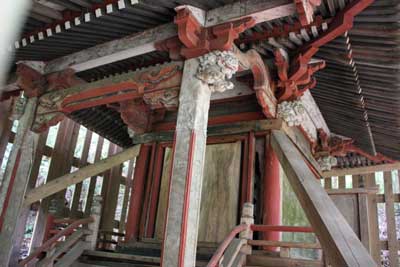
(270, 261)
(147, 248)
(103, 258)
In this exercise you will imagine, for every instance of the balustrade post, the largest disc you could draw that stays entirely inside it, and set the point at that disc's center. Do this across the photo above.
(248, 219)
(94, 226)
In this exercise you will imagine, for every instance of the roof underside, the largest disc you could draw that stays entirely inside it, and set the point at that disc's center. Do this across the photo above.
(358, 92)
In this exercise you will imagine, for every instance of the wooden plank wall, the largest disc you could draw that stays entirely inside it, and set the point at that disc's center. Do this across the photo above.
(378, 232)
(62, 157)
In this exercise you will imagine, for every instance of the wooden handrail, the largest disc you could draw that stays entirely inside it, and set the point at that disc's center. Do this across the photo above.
(256, 228)
(284, 244)
(48, 244)
(222, 247)
(281, 228)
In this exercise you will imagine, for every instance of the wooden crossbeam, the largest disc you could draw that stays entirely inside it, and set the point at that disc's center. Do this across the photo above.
(144, 42)
(64, 181)
(338, 240)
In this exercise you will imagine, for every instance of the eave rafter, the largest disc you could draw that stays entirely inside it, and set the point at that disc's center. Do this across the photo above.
(144, 42)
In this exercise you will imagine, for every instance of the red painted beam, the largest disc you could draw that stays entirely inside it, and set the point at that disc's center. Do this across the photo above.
(136, 201)
(281, 228)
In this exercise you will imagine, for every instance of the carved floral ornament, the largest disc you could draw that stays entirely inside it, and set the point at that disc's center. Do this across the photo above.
(216, 68)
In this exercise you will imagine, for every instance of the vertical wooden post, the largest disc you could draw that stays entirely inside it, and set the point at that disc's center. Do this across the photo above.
(55, 170)
(128, 186)
(375, 248)
(148, 189)
(159, 157)
(328, 183)
(15, 180)
(393, 243)
(136, 202)
(78, 187)
(110, 190)
(248, 219)
(250, 168)
(63, 158)
(33, 176)
(94, 226)
(342, 182)
(245, 165)
(272, 193)
(93, 180)
(356, 179)
(5, 127)
(201, 76)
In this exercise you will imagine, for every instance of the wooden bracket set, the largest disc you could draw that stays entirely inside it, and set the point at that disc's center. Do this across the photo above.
(296, 78)
(305, 10)
(193, 40)
(292, 89)
(339, 147)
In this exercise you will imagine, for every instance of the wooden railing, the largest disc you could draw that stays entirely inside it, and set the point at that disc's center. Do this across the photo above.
(284, 246)
(232, 245)
(50, 243)
(69, 241)
(216, 258)
(219, 256)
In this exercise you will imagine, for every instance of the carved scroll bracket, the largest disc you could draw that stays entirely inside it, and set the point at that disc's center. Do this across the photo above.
(263, 85)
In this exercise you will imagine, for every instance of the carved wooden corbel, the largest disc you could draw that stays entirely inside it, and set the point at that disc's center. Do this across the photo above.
(30, 80)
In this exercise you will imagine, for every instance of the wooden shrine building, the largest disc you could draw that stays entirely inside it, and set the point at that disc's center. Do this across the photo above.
(162, 133)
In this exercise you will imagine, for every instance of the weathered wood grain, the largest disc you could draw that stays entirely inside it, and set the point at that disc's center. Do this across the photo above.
(338, 240)
(220, 194)
(79, 175)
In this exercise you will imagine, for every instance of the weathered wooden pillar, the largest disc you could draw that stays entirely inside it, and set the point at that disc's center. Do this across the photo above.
(94, 226)
(15, 181)
(201, 77)
(272, 203)
(110, 190)
(137, 193)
